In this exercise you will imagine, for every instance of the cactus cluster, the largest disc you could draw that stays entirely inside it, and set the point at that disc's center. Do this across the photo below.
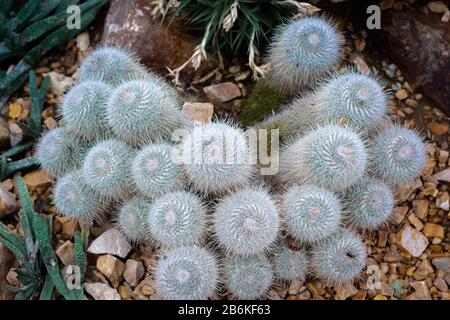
(335, 173)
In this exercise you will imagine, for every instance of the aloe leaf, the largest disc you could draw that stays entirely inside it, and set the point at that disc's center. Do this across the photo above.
(26, 214)
(24, 15)
(47, 290)
(19, 255)
(13, 238)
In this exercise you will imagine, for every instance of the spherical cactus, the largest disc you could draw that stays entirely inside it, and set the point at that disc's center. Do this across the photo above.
(301, 52)
(248, 277)
(246, 222)
(143, 111)
(177, 219)
(112, 66)
(397, 155)
(331, 157)
(187, 273)
(106, 169)
(217, 158)
(311, 213)
(354, 97)
(340, 258)
(370, 202)
(74, 199)
(132, 220)
(289, 264)
(58, 152)
(154, 171)
(84, 109)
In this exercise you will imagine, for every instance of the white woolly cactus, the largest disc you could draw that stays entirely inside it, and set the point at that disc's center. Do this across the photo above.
(112, 66)
(311, 213)
(332, 157)
(106, 169)
(217, 158)
(58, 152)
(74, 199)
(289, 264)
(84, 109)
(154, 171)
(143, 111)
(370, 203)
(132, 220)
(397, 155)
(301, 52)
(177, 219)
(187, 273)
(248, 277)
(352, 98)
(340, 258)
(246, 222)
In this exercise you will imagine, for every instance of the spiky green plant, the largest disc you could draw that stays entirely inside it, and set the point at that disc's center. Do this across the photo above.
(235, 27)
(32, 132)
(30, 29)
(39, 272)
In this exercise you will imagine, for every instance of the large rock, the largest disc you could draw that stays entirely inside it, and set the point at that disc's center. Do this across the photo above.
(420, 45)
(6, 263)
(130, 25)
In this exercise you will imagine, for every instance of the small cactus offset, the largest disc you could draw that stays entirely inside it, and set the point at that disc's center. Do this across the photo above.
(74, 199)
(58, 152)
(132, 220)
(370, 203)
(154, 171)
(112, 66)
(187, 273)
(107, 169)
(340, 258)
(311, 213)
(84, 109)
(177, 219)
(397, 155)
(217, 158)
(352, 98)
(302, 52)
(331, 157)
(143, 111)
(246, 222)
(289, 264)
(248, 277)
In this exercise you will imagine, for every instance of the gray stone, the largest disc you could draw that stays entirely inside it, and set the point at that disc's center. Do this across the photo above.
(101, 291)
(112, 242)
(134, 271)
